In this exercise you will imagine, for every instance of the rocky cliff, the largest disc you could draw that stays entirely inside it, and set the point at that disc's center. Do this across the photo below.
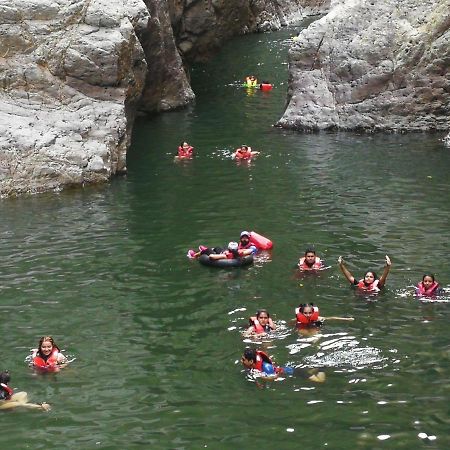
(377, 65)
(73, 73)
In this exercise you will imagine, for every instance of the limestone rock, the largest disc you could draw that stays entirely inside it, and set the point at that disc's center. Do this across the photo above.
(381, 65)
(71, 73)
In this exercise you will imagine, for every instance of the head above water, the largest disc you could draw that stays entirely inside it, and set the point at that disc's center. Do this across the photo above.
(5, 377)
(262, 314)
(306, 308)
(46, 345)
(311, 251)
(370, 276)
(427, 280)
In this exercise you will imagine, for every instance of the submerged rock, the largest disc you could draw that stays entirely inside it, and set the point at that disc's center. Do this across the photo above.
(379, 66)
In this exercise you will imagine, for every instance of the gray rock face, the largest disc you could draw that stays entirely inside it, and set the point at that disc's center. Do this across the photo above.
(201, 27)
(381, 65)
(71, 72)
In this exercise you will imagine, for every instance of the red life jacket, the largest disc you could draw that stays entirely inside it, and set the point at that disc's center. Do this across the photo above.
(50, 363)
(304, 320)
(421, 290)
(243, 154)
(258, 328)
(7, 389)
(303, 266)
(185, 153)
(260, 358)
(371, 287)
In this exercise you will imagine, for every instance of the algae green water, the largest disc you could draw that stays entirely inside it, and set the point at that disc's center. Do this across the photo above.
(157, 337)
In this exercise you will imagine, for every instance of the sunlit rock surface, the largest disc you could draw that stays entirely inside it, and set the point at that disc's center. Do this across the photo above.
(381, 65)
(71, 73)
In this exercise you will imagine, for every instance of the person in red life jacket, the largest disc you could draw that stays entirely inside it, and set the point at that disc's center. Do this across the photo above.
(260, 324)
(185, 150)
(9, 400)
(428, 287)
(370, 282)
(232, 252)
(244, 152)
(307, 315)
(310, 261)
(48, 356)
(245, 244)
(262, 367)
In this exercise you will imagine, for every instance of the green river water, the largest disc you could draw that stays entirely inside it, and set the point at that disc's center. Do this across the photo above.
(157, 336)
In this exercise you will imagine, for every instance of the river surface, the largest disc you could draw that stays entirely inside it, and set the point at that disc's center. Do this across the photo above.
(157, 337)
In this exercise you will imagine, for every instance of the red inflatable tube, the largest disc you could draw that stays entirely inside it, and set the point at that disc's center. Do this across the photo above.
(265, 87)
(260, 241)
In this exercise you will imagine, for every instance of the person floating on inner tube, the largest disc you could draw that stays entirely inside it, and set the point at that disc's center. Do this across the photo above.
(245, 244)
(310, 261)
(370, 282)
(262, 367)
(185, 150)
(428, 287)
(9, 400)
(48, 356)
(244, 152)
(232, 252)
(261, 323)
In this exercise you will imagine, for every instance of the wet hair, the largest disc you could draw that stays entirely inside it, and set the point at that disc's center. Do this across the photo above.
(260, 311)
(310, 250)
(182, 143)
(250, 355)
(42, 340)
(428, 275)
(375, 276)
(5, 377)
(302, 306)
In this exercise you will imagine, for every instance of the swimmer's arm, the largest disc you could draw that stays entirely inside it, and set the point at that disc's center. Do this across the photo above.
(349, 319)
(386, 270)
(218, 256)
(345, 271)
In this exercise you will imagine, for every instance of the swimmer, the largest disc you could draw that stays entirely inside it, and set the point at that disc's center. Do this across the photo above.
(428, 287)
(310, 261)
(48, 356)
(263, 367)
(260, 324)
(308, 321)
(370, 282)
(251, 81)
(232, 252)
(185, 150)
(244, 152)
(9, 400)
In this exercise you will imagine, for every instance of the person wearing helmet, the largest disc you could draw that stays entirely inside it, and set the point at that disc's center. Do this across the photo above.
(245, 244)
(232, 252)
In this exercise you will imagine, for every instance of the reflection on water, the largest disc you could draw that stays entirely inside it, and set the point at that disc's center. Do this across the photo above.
(156, 335)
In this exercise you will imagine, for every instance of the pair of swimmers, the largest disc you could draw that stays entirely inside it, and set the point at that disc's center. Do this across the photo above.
(47, 357)
(306, 315)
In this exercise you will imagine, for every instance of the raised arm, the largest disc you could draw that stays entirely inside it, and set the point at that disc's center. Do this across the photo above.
(386, 270)
(345, 271)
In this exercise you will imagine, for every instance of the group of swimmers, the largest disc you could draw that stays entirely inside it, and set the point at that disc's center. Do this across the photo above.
(47, 357)
(307, 316)
(186, 151)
